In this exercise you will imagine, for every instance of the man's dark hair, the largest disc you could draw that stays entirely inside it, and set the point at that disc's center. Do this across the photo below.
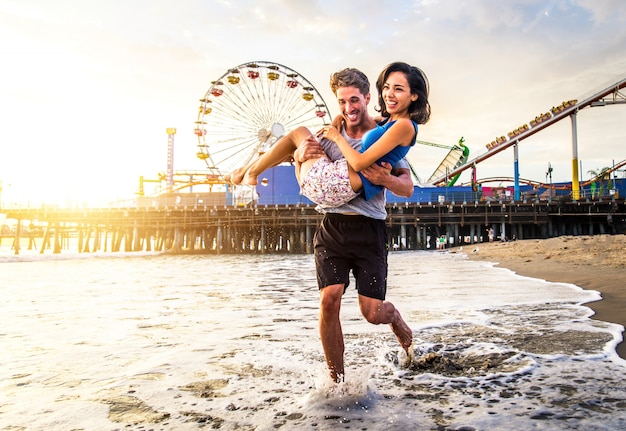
(350, 77)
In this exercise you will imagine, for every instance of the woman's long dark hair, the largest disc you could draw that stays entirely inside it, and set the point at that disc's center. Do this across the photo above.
(419, 110)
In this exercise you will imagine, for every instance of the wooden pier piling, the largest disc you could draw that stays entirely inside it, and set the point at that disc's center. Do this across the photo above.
(290, 229)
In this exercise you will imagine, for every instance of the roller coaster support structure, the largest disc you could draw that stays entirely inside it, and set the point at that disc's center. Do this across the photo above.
(575, 184)
(171, 131)
(516, 190)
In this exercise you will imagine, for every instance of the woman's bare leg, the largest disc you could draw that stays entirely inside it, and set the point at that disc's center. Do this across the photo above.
(277, 153)
(280, 152)
(237, 176)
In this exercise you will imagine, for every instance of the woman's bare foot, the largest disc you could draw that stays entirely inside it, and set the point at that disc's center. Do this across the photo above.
(250, 179)
(236, 176)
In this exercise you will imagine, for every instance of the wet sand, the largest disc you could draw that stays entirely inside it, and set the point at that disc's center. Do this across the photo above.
(592, 262)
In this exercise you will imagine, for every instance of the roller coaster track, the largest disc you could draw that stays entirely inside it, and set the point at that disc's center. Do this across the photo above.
(608, 96)
(182, 180)
(505, 180)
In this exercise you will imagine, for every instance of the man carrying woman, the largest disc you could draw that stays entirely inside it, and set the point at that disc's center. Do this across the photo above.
(352, 236)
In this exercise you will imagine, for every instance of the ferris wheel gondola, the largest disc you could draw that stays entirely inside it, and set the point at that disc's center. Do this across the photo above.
(249, 108)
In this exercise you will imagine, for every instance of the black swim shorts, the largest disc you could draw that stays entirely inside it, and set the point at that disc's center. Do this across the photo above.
(345, 243)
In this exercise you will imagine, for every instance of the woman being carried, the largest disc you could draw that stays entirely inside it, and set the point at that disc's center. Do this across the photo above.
(403, 98)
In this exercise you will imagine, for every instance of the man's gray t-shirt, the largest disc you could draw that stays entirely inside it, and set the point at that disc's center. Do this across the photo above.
(375, 207)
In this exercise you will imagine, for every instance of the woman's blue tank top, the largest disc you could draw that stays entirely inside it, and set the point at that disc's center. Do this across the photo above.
(393, 157)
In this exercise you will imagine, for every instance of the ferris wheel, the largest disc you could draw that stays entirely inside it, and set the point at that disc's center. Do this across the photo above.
(250, 107)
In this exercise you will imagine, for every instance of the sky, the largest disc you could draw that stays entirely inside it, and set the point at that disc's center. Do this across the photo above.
(88, 88)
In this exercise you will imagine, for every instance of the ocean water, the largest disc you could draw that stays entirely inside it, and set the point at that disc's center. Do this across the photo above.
(163, 342)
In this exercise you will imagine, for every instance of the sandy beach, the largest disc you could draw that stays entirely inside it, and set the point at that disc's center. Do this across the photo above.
(591, 262)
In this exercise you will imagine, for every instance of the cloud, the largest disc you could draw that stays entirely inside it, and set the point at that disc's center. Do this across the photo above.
(116, 73)
(604, 11)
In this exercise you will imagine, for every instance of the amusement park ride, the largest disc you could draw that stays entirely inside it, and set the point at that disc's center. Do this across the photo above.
(251, 106)
(456, 157)
(610, 95)
(243, 113)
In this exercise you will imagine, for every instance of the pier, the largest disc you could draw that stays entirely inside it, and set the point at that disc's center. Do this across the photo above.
(290, 228)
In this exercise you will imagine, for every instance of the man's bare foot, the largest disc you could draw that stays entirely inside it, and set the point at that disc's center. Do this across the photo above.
(403, 333)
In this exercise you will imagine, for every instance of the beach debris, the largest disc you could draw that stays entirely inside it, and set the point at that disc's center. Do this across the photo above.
(203, 418)
(459, 364)
(131, 410)
(206, 389)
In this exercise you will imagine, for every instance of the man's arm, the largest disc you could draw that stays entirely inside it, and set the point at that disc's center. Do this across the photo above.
(397, 181)
(308, 149)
